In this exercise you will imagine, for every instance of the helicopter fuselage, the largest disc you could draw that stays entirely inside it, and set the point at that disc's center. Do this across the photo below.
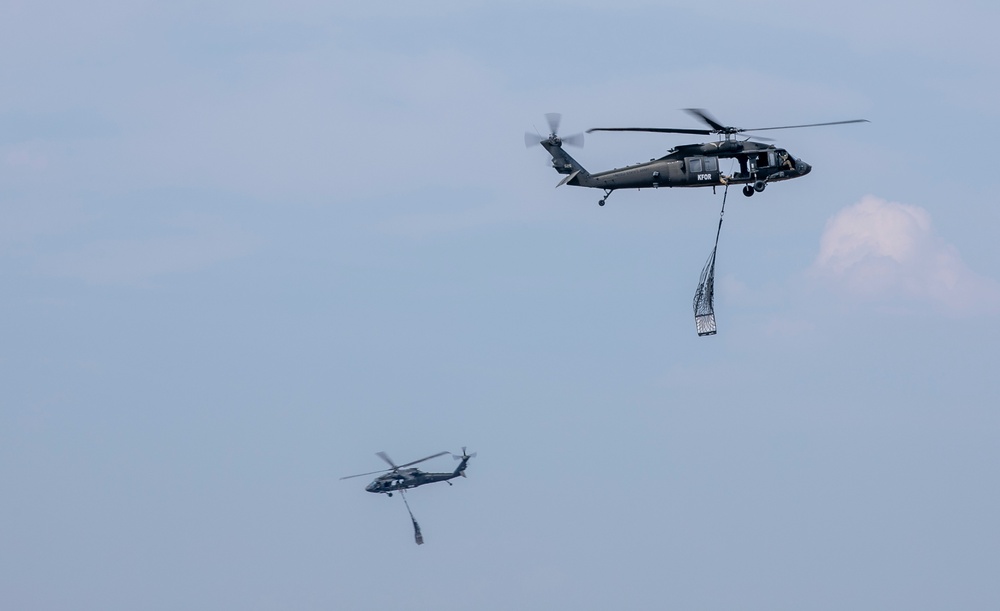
(404, 479)
(699, 165)
(690, 165)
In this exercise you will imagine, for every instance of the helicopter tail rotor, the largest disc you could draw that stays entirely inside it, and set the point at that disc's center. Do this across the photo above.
(553, 119)
(460, 470)
(464, 455)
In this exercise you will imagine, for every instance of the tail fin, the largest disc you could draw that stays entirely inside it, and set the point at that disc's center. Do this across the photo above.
(561, 160)
(460, 469)
(564, 163)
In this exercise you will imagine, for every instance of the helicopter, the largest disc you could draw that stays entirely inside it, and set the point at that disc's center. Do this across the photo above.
(686, 165)
(400, 478)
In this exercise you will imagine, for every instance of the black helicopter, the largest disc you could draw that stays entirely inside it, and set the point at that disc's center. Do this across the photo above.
(398, 477)
(687, 165)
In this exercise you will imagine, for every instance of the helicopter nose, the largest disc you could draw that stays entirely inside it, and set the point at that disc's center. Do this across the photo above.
(803, 167)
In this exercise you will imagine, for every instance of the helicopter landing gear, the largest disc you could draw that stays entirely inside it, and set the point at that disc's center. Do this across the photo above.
(759, 186)
(607, 193)
(389, 494)
(748, 191)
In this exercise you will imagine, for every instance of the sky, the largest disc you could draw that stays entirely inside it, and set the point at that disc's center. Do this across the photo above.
(246, 246)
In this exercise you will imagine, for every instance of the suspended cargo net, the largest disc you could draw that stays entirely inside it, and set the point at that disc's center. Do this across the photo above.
(704, 295)
(704, 306)
(416, 527)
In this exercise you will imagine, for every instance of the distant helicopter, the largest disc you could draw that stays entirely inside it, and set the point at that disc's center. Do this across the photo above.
(687, 165)
(400, 478)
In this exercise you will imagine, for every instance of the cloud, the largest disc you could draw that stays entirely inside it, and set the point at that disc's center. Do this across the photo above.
(883, 250)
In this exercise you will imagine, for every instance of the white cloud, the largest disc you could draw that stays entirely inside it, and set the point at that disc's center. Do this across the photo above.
(881, 249)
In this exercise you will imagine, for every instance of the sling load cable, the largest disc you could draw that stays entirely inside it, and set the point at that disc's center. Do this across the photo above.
(704, 296)
(416, 527)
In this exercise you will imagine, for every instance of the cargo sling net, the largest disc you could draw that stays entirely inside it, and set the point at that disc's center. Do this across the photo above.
(416, 527)
(704, 296)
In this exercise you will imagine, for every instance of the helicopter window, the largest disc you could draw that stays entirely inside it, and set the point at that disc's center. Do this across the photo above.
(694, 165)
(711, 164)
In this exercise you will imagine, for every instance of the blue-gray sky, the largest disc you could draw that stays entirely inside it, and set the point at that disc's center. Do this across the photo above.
(247, 245)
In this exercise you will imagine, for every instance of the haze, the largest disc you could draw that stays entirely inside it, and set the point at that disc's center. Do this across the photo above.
(245, 246)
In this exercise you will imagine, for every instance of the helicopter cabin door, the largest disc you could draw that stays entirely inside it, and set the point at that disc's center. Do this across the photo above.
(702, 170)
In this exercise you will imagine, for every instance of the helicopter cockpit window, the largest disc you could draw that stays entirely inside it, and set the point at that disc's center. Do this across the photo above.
(711, 164)
(694, 165)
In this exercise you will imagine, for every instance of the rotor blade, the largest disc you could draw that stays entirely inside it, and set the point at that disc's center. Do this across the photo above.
(553, 118)
(707, 118)
(386, 458)
(422, 459)
(531, 139)
(369, 473)
(660, 130)
(760, 138)
(574, 140)
(760, 129)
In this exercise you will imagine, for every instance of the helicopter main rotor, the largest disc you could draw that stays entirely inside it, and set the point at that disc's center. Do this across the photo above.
(727, 131)
(394, 466)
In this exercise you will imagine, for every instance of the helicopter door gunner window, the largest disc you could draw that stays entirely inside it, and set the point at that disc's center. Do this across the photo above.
(699, 169)
(711, 164)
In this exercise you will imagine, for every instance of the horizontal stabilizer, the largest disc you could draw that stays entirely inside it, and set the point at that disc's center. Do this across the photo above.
(567, 179)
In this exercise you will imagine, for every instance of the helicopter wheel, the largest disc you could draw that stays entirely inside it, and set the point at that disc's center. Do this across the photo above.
(390, 494)
(748, 191)
(759, 186)
(600, 202)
